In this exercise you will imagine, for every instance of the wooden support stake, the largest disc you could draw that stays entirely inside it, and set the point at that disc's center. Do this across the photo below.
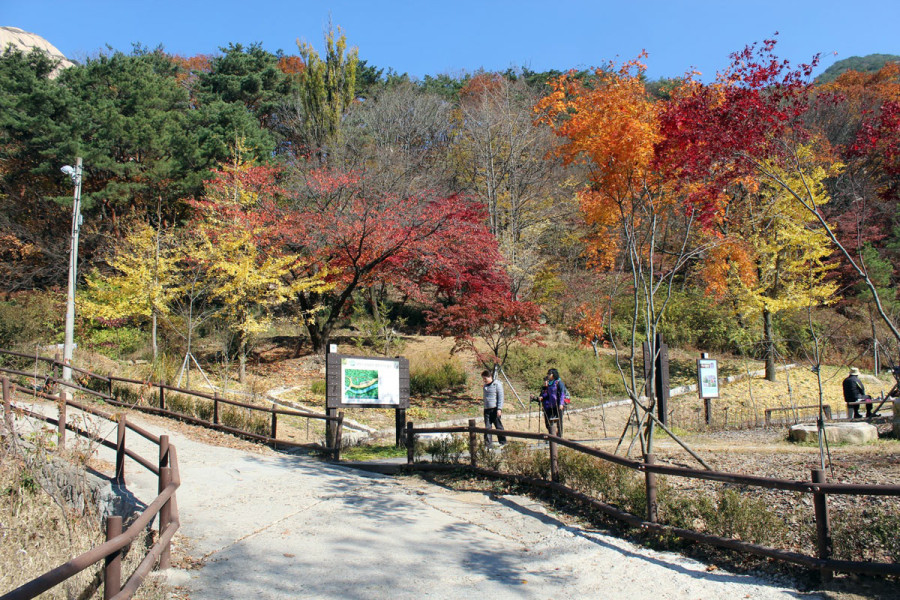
(61, 425)
(120, 451)
(338, 436)
(7, 401)
(162, 397)
(112, 571)
(410, 444)
(652, 504)
(165, 517)
(473, 443)
(823, 523)
(216, 408)
(554, 454)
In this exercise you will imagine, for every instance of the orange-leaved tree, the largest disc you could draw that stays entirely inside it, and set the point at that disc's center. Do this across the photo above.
(610, 124)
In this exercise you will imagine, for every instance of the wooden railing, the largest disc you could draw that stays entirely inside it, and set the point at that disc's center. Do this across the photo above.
(111, 551)
(334, 423)
(817, 487)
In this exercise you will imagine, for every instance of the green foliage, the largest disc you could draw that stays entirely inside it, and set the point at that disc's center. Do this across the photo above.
(447, 449)
(868, 534)
(519, 460)
(581, 371)
(611, 483)
(36, 317)
(870, 63)
(694, 320)
(730, 513)
(430, 379)
(377, 329)
(248, 76)
(317, 387)
(117, 342)
(366, 452)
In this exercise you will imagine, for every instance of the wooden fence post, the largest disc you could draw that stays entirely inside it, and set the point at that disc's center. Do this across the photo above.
(473, 443)
(109, 385)
(823, 524)
(163, 451)
(165, 516)
(338, 435)
(120, 451)
(410, 443)
(216, 408)
(652, 505)
(162, 397)
(554, 454)
(61, 425)
(112, 571)
(274, 425)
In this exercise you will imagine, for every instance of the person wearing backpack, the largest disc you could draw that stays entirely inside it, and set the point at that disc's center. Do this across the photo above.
(553, 400)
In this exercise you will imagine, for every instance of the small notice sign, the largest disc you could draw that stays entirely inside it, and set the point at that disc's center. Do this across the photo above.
(708, 378)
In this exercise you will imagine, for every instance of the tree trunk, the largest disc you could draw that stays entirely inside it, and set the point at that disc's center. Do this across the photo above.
(769, 344)
(153, 342)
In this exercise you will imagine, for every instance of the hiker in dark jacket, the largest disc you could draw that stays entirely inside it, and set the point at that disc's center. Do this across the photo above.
(493, 406)
(553, 400)
(855, 392)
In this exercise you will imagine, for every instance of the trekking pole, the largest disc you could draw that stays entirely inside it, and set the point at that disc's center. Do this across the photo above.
(502, 372)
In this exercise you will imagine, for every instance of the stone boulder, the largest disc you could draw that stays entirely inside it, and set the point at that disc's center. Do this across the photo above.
(836, 433)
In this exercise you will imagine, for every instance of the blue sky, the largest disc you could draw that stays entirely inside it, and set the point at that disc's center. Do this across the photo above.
(427, 37)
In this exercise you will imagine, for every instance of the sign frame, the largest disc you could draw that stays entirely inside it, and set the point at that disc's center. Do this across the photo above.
(335, 392)
(706, 368)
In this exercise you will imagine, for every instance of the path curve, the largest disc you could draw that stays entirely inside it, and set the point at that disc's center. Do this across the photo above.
(273, 525)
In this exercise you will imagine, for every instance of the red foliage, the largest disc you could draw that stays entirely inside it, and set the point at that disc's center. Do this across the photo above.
(711, 135)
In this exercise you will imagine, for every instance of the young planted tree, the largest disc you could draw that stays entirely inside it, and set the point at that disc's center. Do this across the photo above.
(639, 225)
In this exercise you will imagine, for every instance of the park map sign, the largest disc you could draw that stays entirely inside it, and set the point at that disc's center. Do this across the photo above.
(365, 381)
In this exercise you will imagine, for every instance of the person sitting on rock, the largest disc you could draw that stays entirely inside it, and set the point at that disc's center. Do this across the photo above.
(855, 392)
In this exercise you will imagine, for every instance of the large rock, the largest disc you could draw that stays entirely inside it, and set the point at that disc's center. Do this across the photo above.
(836, 433)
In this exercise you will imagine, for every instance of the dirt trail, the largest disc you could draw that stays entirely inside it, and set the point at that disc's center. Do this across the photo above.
(271, 525)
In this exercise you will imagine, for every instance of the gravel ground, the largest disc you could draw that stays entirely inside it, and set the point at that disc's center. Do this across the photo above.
(273, 525)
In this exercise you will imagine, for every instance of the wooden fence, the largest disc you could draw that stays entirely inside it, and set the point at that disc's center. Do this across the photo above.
(817, 487)
(165, 505)
(107, 382)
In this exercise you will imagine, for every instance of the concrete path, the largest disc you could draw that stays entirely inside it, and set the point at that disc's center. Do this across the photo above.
(282, 526)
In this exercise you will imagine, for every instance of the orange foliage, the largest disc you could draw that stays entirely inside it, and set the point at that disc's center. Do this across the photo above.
(291, 65)
(731, 254)
(480, 86)
(611, 125)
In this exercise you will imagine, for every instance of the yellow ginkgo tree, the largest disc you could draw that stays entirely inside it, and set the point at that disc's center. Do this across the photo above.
(773, 257)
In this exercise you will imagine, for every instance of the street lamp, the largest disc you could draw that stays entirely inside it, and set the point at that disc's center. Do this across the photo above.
(75, 174)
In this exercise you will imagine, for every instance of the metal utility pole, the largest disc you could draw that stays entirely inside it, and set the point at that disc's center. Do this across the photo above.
(75, 174)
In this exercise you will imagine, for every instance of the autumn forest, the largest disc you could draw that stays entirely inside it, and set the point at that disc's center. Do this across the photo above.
(240, 194)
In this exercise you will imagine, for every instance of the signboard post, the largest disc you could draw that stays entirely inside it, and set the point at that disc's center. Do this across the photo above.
(707, 383)
(367, 382)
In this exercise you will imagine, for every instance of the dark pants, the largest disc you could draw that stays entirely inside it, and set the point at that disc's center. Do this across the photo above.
(492, 419)
(554, 413)
(855, 412)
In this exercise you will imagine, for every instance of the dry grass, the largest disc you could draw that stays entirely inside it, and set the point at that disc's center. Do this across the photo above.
(39, 530)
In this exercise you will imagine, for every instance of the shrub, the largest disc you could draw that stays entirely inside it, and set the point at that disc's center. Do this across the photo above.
(447, 449)
(35, 317)
(117, 342)
(867, 534)
(317, 387)
(430, 379)
(731, 513)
